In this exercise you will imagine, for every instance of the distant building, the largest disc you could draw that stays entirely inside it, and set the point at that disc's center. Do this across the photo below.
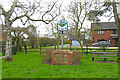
(104, 31)
(73, 40)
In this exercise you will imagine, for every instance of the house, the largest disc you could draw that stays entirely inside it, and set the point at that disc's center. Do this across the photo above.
(104, 31)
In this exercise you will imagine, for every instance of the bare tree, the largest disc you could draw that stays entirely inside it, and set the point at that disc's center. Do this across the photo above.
(117, 21)
(113, 4)
(18, 35)
(26, 14)
(56, 33)
(78, 13)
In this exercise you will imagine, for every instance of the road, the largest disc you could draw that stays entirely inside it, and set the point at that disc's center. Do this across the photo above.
(67, 45)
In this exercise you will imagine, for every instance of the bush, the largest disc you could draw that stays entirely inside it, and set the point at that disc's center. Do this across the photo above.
(47, 59)
(76, 57)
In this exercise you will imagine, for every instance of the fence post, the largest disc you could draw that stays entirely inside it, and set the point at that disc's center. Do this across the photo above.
(104, 48)
(25, 49)
(54, 47)
(4, 50)
(70, 47)
(86, 49)
(92, 56)
(40, 49)
(15, 49)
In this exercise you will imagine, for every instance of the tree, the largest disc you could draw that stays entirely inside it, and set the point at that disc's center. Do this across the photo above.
(32, 36)
(46, 41)
(25, 13)
(18, 36)
(33, 41)
(20, 33)
(117, 21)
(56, 33)
(78, 13)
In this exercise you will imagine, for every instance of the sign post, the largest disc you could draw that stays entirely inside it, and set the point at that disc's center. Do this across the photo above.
(62, 40)
(62, 25)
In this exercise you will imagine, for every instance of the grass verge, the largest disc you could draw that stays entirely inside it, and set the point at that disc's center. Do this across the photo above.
(31, 66)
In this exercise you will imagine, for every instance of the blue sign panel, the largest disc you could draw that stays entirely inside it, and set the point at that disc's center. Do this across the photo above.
(62, 25)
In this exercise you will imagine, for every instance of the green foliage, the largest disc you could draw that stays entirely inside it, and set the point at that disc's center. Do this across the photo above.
(46, 59)
(94, 15)
(45, 41)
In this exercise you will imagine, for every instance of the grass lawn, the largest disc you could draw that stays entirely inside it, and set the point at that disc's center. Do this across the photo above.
(30, 66)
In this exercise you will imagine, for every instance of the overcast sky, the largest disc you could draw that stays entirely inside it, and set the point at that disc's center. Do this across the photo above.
(42, 27)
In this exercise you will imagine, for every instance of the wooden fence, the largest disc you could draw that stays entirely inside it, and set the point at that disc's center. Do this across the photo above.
(86, 49)
(44, 49)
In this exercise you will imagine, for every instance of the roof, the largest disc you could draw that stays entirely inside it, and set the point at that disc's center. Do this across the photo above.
(74, 37)
(103, 25)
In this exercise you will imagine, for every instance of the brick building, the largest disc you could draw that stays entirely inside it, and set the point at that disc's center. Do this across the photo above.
(104, 31)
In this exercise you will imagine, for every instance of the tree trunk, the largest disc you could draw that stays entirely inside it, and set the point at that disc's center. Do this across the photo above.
(8, 53)
(80, 44)
(32, 46)
(117, 22)
(58, 45)
(20, 48)
(58, 41)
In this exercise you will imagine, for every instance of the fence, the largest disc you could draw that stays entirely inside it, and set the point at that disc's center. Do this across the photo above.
(86, 49)
(41, 49)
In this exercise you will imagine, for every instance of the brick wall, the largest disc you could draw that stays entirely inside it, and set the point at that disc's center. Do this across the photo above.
(106, 36)
(87, 43)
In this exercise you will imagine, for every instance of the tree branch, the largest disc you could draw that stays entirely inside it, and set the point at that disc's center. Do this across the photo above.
(12, 7)
(48, 12)
(17, 18)
(3, 11)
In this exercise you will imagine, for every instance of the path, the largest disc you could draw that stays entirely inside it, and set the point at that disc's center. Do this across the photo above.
(2, 57)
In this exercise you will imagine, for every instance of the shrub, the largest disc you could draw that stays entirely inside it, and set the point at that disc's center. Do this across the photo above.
(47, 59)
(76, 57)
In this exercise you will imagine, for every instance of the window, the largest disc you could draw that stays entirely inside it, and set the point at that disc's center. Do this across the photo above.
(100, 32)
(101, 40)
(114, 31)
